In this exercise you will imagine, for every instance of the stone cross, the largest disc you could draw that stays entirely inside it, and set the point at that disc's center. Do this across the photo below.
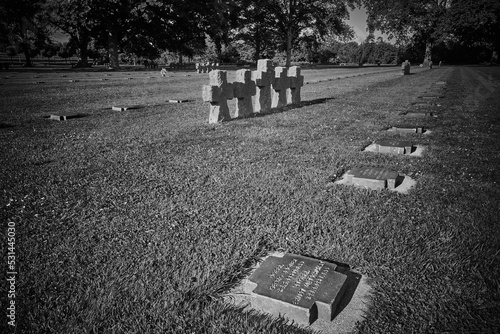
(217, 93)
(281, 83)
(244, 89)
(264, 79)
(296, 81)
(405, 68)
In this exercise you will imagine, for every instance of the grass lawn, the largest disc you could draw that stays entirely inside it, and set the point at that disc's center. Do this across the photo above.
(139, 221)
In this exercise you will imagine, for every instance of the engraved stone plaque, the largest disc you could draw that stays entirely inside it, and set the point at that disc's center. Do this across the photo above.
(297, 287)
(394, 146)
(374, 178)
(64, 117)
(417, 129)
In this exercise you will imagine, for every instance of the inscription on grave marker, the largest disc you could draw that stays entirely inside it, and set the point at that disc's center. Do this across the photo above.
(301, 288)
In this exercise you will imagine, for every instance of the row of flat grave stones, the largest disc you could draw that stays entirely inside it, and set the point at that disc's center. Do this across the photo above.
(132, 107)
(65, 117)
(348, 76)
(381, 178)
(310, 292)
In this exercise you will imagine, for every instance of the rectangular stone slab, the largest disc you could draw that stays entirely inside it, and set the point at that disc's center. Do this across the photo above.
(64, 117)
(117, 108)
(417, 129)
(298, 287)
(394, 146)
(372, 177)
(430, 97)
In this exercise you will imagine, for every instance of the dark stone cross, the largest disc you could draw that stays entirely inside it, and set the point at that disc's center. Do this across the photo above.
(217, 93)
(264, 79)
(296, 81)
(244, 89)
(281, 83)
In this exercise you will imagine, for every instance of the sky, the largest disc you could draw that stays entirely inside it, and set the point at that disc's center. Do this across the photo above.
(357, 20)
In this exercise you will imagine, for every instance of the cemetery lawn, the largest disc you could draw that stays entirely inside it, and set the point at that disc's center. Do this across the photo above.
(139, 221)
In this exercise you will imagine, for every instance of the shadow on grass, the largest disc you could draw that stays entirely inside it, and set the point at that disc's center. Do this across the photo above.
(5, 126)
(352, 282)
(284, 109)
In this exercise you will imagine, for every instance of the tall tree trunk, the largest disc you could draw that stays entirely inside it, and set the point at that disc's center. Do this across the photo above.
(27, 56)
(113, 49)
(180, 58)
(289, 32)
(83, 43)
(218, 49)
(258, 45)
(428, 53)
(25, 46)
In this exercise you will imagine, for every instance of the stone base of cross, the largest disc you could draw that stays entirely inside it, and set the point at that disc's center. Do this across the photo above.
(256, 91)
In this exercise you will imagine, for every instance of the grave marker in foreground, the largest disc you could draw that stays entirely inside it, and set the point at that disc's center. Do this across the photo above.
(373, 178)
(298, 287)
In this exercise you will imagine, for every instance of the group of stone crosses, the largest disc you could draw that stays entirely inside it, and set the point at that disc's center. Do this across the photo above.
(256, 91)
(206, 67)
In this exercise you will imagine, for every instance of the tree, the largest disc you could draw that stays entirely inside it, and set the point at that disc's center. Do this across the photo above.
(74, 17)
(50, 50)
(256, 28)
(407, 20)
(66, 50)
(11, 52)
(475, 23)
(21, 20)
(291, 17)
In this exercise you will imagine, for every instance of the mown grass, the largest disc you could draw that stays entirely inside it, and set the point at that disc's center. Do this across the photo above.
(139, 221)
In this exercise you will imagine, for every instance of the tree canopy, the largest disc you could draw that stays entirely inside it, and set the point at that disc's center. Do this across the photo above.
(255, 28)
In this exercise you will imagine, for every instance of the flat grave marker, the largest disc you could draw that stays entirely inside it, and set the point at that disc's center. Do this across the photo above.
(124, 108)
(416, 129)
(373, 178)
(394, 146)
(430, 97)
(177, 101)
(420, 113)
(64, 117)
(300, 288)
